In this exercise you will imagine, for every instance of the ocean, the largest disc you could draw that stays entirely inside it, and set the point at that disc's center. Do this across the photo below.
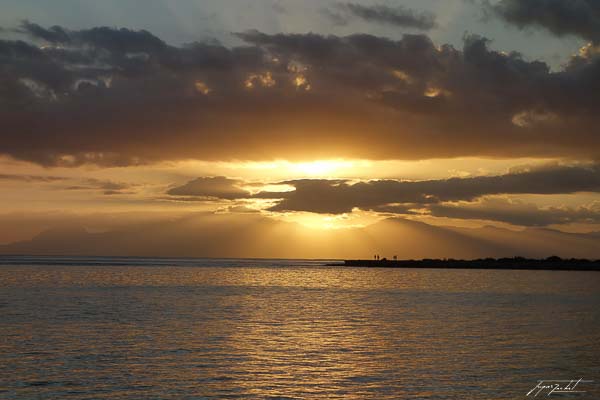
(133, 328)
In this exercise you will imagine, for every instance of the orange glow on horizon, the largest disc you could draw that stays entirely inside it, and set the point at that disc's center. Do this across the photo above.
(355, 219)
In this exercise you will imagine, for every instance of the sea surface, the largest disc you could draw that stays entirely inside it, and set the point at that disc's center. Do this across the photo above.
(138, 328)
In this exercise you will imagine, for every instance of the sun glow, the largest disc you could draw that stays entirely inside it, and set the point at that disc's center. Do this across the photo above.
(321, 168)
(282, 188)
(283, 169)
(355, 219)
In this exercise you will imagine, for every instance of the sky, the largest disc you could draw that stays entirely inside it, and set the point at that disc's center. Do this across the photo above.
(307, 129)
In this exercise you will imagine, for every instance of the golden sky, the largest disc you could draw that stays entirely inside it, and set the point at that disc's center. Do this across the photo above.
(387, 122)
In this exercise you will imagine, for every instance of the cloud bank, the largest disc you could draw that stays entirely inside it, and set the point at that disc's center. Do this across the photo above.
(120, 97)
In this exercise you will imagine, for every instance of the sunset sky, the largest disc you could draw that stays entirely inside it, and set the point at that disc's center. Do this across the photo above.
(276, 128)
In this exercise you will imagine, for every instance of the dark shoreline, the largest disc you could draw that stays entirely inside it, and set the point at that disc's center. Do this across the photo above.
(518, 263)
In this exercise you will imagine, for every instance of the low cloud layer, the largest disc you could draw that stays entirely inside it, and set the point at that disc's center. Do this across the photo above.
(517, 212)
(462, 198)
(120, 97)
(339, 196)
(561, 17)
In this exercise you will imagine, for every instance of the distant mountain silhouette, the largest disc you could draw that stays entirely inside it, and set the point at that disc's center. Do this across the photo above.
(252, 235)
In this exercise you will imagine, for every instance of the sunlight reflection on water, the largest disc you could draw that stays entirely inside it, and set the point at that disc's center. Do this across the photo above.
(292, 332)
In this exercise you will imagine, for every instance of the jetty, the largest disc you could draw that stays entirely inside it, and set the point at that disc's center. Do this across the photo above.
(553, 263)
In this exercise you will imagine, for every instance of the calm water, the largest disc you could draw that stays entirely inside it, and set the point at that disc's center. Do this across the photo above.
(193, 329)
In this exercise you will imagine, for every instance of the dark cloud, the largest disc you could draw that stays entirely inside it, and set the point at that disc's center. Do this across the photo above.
(340, 196)
(54, 34)
(120, 97)
(397, 16)
(240, 209)
(30, 178)
(517, 212)
(218, 187)
(107, 187)
(571, 17)
(114, 40)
